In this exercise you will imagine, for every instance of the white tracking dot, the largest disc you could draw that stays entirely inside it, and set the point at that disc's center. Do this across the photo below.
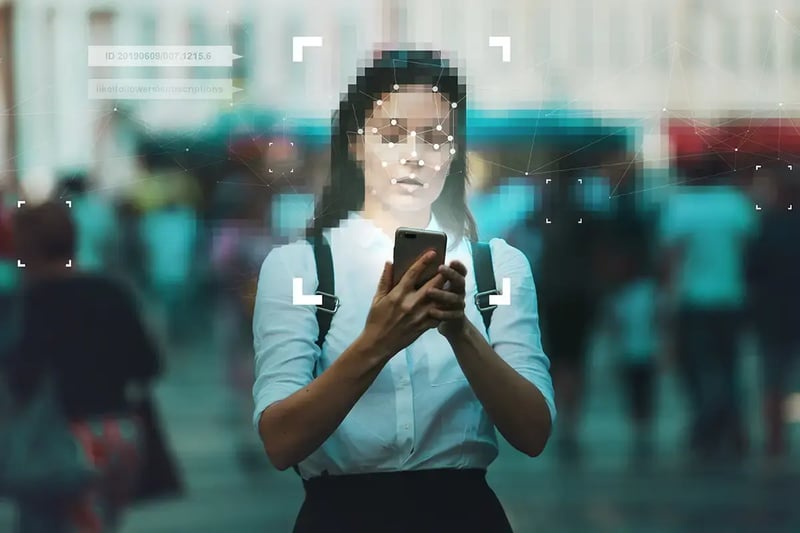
(412, 175)
(393, 122)
(414, 153)
(435, 88)
(454, 105)
(438, 127)
(450, 138)
(384, 164)
(360, 131)
(437, 168)
(394, 181)
(421, 163)
(425, 185)
(379, 102)
(413, 133)
(391, 145)
(402, 161)
(395, 86)
(435, 146)
(452, 150)
(374, 130)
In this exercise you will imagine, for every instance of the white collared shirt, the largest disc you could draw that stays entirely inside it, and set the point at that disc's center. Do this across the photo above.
(420, 412)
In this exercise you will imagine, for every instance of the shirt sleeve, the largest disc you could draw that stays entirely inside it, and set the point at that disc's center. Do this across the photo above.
(514, 331)
(284, 334)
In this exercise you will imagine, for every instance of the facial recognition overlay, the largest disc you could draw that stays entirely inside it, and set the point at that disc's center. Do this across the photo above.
(398, 131)
(642, 156)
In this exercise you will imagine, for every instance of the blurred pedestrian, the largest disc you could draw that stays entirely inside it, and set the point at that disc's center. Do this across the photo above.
(169, 236)
(97, 244)
(567, 281)
(634, 327)
(774, 275)
(9, 273)
(83, 331)
(704, 230)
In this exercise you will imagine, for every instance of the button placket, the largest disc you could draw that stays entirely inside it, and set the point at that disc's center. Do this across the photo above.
(405, 405)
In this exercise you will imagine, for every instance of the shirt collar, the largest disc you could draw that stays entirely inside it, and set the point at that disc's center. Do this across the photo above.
(368, 234)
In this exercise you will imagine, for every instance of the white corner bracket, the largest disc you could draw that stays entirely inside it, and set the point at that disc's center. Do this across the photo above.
(298, 298)
(20, 264)
(298, 43)
(503, 41)
(20, 203)
(69, 203)
(504, 298)
(69, 264)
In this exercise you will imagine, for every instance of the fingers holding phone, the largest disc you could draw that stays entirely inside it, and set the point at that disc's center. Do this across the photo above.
(399, 315)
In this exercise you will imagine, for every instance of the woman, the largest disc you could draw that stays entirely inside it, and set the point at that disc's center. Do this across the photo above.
(392, 423)
(84, 331)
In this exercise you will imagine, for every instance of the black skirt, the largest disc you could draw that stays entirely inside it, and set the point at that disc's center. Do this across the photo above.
(420, 501)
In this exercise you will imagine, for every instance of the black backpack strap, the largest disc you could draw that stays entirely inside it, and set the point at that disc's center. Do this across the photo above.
(484, 279)
(330, 302)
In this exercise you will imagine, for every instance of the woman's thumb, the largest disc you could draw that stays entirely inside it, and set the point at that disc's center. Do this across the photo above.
(385, 283)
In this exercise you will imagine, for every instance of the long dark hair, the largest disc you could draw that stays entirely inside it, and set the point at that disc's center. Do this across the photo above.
(345, 190)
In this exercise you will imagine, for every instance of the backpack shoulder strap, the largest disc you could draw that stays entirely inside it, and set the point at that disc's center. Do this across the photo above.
(325, 287)
(484, 279)
(330, 302)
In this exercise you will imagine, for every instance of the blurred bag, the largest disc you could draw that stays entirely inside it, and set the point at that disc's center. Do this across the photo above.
(159, 473)
(40, 457)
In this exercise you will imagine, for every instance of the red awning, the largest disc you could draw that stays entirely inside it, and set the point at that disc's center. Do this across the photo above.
(761, 137)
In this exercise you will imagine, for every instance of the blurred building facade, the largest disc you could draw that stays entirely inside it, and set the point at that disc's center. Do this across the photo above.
(644, 60)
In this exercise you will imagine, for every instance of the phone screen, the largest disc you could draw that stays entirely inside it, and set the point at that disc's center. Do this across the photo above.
(409, 245)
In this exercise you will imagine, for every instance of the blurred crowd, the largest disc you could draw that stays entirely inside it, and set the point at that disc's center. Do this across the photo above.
(677, 284)
(680, 285)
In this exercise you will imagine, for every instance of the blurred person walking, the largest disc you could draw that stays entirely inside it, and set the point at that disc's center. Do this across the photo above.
(240, 239)
(567, 279)
(97, 246)
(634, 325)
(704, 232)
(9, 273)
(83, 332)
(774, 276)
(169, 236)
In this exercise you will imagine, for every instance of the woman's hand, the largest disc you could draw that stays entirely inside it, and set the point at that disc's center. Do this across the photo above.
(399, 315)
(450, 300)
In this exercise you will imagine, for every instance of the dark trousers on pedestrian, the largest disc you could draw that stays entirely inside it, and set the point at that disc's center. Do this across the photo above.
(708, 345)
(421, 501)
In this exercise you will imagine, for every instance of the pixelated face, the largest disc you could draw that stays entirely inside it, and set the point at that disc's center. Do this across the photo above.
(407, 145)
